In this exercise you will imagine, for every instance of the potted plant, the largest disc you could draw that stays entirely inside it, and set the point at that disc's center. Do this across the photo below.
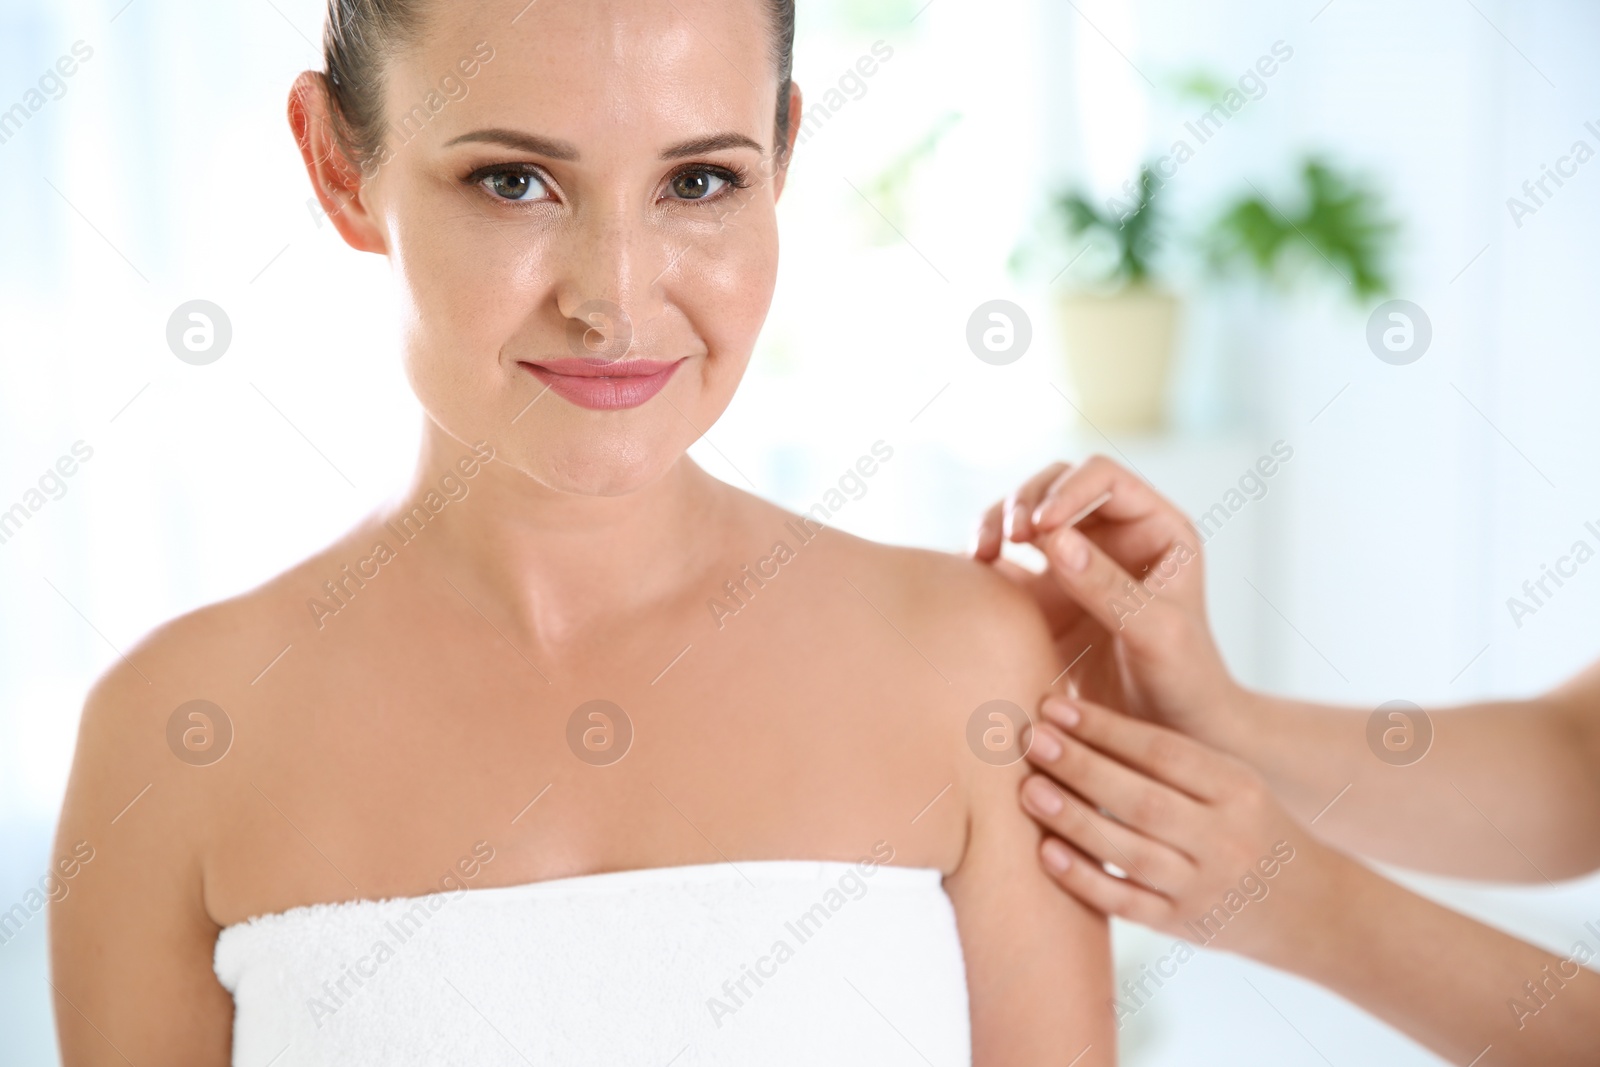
(1334, 220)
(1119, 334)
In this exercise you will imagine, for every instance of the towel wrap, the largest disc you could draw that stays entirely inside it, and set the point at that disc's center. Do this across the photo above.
(769, 962)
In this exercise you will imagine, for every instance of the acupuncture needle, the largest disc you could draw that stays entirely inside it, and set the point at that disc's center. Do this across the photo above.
(1089, 509)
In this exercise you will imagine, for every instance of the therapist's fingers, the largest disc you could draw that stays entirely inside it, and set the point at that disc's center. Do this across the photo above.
(1131, 499)
(1020, 505)
(1151, 807)
(990, 534)
(1085, 879)
(1145, 859)
(1136, 611)
(1162, 754)
(1130, 521)
(1002, 517)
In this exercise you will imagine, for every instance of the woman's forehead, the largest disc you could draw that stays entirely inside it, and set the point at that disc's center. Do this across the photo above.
(578, 69)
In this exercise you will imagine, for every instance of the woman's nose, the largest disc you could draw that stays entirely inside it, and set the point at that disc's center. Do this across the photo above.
(611, 285)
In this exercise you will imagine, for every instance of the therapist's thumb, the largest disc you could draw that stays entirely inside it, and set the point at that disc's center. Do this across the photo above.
(1100, 586)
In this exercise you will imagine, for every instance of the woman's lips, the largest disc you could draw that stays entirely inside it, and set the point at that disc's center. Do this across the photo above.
(604, 386)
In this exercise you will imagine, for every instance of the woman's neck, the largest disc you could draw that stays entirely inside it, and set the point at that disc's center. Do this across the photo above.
(556, 561)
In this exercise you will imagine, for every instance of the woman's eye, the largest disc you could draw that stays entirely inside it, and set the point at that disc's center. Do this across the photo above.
(696, 184)
(515, 185)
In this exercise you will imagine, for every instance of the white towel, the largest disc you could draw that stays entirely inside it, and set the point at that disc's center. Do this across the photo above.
(770, 962)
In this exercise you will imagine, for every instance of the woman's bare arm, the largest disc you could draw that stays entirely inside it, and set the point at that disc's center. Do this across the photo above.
(131, 943)
(1038, 961)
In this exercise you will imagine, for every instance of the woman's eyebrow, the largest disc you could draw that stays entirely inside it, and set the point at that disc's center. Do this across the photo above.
(527, 142)
(563, 150)
(715, 143)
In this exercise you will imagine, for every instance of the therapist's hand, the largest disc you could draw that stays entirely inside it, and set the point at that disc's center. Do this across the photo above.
(1208, 853)
(1124, 593)
(1210, 857)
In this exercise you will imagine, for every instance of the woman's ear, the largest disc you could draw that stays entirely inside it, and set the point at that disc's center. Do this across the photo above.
(336, 180)
(795, 101)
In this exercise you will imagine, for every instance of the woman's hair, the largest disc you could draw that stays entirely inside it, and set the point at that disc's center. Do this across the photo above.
(362, 34)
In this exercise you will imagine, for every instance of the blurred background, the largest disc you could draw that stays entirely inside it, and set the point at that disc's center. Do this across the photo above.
(1200, 217)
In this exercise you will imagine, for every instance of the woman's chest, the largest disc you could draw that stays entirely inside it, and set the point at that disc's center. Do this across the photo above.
(441, 768)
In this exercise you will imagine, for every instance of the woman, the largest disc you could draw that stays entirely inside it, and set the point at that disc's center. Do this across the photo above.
(575, 754)
(1503, 791)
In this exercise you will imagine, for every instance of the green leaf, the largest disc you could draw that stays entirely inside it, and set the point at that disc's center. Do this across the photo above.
(1129, 228)
(1334, 222)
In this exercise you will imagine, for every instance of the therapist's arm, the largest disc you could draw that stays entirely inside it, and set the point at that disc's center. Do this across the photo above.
(1211, 857)
(1506, 790)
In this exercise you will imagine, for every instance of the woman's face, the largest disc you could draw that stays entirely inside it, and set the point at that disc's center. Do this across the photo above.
(578, 201)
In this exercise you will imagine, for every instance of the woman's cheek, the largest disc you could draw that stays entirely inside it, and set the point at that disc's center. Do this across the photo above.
(468, 292)
(733, 286)
(479, 277)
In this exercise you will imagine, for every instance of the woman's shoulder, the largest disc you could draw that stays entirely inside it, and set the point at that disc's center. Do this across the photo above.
(173, 736)
(215, 656)
(981, 622)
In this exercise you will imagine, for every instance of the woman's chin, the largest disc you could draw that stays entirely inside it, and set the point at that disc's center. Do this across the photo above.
(591, 472)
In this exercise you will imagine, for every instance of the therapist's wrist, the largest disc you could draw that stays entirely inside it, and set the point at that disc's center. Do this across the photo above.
(1226, 718)
(1321, 893)
(1240, 721)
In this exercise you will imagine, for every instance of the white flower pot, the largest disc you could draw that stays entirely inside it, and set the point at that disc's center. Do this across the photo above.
(1119, 354)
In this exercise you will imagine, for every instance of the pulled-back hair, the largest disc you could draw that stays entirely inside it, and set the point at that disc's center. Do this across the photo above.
(362, 35)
